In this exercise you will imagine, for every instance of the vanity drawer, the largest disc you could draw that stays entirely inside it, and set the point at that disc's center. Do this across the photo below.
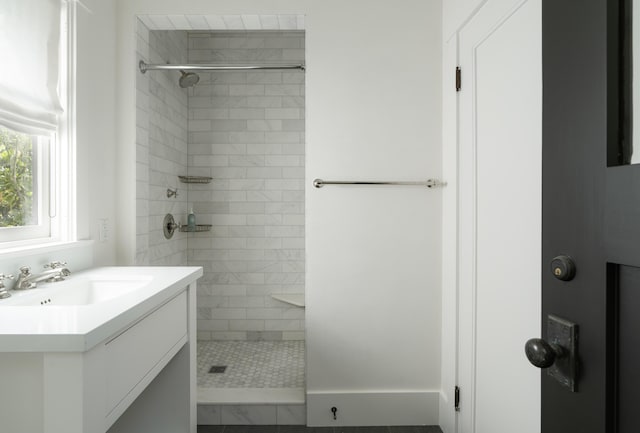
(131, 355)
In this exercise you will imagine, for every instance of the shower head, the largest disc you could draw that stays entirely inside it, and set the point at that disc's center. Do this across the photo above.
(188, 79)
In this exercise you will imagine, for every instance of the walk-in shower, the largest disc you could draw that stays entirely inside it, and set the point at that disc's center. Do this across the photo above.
(234, 146)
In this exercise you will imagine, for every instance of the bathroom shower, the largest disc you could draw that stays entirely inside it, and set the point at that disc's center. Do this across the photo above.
(240, 125)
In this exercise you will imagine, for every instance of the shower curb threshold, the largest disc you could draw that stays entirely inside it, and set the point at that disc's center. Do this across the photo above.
(247, 396)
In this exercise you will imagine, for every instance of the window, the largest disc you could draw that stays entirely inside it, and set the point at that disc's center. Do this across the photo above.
(35, 117)
(24, 185)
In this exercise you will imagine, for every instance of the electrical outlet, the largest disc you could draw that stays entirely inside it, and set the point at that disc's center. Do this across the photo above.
(103, 229)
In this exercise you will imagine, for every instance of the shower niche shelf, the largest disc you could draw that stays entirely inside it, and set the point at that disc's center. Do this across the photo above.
(195, 179)
(296, 299)
(196, 228)
(169, 226)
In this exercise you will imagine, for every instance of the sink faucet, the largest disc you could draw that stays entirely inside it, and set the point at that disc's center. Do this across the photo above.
(55, 272)
(3, 290)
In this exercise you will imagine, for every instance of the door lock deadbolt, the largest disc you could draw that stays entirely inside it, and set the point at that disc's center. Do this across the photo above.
(563, 268)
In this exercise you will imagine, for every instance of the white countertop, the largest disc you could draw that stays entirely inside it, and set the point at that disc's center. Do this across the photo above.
(52, 328)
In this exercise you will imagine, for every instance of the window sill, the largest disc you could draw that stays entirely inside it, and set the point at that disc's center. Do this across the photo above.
(42, 248)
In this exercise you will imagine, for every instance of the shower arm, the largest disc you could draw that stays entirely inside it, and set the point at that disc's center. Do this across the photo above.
(144, 67)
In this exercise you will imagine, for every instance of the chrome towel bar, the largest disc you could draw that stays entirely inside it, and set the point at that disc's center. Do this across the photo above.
(430, 183)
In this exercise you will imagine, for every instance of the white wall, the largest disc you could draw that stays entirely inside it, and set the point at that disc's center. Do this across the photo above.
(96, 136)
(373, 106)
(373, 113)
(456, 13)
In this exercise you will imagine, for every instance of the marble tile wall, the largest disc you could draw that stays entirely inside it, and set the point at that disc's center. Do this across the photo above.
(161, 147)
(267, 414)
(246, 130)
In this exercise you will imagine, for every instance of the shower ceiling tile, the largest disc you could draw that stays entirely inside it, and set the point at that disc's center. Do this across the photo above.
(223, 22)
(288, 22)
(216, 22)
(161, 22)
(180, 22)
(197, 22)
(251, 22)
(146, 21)
(269, 22)
(233, 22)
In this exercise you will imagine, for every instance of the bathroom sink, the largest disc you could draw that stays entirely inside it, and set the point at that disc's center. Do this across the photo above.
(88, 307)
(102, 337)
(77, 291)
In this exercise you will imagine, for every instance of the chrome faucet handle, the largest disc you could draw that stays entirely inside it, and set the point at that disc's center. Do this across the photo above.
(25, 271)
(172, 192)
(23, 279)
(3, 290)
(55, 264)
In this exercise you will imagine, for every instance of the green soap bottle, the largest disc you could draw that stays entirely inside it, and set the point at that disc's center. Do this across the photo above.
(191, 220)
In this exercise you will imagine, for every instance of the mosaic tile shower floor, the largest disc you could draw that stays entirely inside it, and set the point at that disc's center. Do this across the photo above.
(251, 364)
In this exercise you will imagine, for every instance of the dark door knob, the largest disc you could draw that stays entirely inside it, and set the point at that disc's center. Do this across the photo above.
(542, 354)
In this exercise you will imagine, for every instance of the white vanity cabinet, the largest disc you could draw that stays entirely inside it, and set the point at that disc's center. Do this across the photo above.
(140, 376)
(132, 355)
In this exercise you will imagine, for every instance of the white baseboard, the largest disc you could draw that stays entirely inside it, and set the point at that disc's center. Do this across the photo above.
(374, 408)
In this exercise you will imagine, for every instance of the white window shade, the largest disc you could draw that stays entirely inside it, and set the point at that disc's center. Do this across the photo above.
(30, 51)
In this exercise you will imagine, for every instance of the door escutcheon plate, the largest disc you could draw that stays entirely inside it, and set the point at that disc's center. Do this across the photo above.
(564, 334)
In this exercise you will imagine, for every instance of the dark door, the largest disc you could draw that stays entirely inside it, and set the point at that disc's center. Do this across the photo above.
(591, 213)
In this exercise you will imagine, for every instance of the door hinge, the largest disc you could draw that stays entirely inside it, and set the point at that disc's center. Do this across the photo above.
(458, 78)
(457, 399)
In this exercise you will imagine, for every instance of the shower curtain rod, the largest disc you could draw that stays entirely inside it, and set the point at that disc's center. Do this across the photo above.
(144, 67)
(430, 183)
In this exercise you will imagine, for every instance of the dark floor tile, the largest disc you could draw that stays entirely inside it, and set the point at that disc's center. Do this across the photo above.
(210, 429)
(304, 429)
(415, 429)
(251, 429)
(374, 429)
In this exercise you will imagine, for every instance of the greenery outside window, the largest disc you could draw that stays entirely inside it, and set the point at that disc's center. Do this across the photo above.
(25, 211)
